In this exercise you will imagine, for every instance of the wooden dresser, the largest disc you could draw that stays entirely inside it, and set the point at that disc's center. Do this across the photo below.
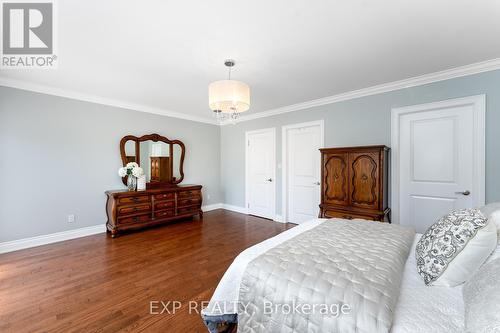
(355, 183)
(129, 210)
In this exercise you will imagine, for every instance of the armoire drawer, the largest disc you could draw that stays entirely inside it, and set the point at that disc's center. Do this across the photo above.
(347, 215)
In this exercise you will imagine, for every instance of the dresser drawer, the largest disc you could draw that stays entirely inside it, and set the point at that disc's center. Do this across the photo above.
(190, 194)
(164, 205)
(127, 210)
(165, 196)
(187, 210)
(188, 202)
(133, 200)
(134, 219)
(347, 216)
(165, 213)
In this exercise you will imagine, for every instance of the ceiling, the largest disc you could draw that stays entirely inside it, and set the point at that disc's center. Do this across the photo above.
(163, 54)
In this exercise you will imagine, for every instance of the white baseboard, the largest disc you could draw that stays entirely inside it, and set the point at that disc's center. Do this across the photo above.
(279, 218)
(50, 238)
(87, 231)
(208, 208)
(243, 210)
(236, 209)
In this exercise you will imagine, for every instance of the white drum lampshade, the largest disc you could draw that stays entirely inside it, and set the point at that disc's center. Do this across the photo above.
(229, 96)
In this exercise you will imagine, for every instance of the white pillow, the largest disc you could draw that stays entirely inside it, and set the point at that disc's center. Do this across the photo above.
(492, 213)
(467, 262)
(454, 247)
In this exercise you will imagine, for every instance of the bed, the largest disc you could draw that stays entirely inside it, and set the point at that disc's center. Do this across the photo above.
(418, 308)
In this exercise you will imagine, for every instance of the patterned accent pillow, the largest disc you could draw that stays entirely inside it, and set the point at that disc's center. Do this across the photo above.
(445, 240)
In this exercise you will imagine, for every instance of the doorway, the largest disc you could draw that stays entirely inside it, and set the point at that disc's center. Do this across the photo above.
(261, 172)
(301, 171)
(438, 159)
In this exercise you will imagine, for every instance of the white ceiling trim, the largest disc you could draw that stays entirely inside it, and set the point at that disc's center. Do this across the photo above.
(44, 89)
(471, 69)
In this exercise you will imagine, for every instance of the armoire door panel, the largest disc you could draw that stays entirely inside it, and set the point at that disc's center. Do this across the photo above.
(364, 179)
(336, 189)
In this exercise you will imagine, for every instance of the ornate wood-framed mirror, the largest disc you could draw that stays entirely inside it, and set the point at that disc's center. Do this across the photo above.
(162, 159)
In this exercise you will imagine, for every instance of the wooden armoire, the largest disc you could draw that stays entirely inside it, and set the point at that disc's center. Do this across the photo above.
(161, 170)
(355, 183)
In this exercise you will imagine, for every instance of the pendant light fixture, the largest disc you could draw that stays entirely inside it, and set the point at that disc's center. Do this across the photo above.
(228, 98)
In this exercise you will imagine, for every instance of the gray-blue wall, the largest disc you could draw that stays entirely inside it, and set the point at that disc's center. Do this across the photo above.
(364, 121)
(58, 156)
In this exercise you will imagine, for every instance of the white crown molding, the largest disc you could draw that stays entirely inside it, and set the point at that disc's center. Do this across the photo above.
(476, 68)
(50, 238)
(44, 89)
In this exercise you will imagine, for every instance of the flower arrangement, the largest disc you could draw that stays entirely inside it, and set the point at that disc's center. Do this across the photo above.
(133, 171)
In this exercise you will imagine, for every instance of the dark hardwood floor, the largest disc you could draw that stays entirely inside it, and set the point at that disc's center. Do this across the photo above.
(100, 284)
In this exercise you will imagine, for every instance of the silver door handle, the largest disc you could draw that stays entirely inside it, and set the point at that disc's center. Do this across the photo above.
(317, 183)
(270, 180)
(467, 192)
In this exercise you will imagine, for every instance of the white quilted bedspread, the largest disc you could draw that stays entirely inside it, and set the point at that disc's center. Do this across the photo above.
(424, 308)
(357, 262)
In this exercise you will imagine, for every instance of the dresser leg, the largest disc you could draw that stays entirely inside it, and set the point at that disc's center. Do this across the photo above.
(113, 233)
(201, 214)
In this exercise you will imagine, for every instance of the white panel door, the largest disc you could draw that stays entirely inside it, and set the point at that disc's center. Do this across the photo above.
(303, 172)
(436, 164)
(261, 173)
